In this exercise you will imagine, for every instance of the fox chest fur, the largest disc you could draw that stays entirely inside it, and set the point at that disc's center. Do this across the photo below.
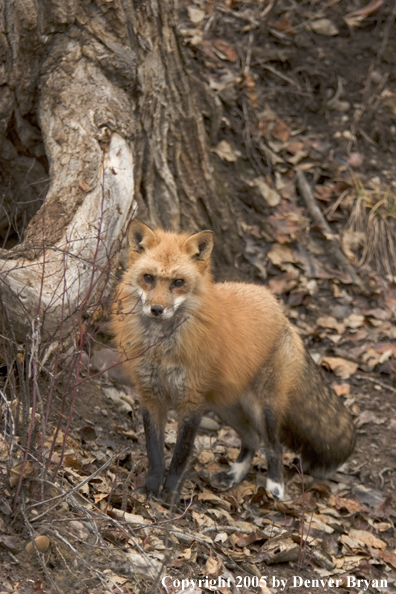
(162, 376)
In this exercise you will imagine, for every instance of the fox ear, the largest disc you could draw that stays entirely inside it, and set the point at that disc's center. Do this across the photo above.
(140, 236)
(200, 245)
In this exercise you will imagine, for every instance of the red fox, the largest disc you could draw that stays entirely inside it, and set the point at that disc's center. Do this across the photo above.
(195, 345)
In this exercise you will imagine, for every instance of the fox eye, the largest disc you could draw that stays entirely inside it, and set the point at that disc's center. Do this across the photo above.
(148, 278)
(179, 282)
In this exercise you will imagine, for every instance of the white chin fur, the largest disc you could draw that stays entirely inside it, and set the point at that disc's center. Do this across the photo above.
(276, 489)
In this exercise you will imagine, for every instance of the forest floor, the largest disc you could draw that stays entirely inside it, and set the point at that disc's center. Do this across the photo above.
(291, 91)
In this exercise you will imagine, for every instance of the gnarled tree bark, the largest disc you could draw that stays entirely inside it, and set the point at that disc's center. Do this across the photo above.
(102, 92)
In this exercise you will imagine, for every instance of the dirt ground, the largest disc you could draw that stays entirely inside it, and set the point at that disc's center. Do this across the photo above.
(303, 87)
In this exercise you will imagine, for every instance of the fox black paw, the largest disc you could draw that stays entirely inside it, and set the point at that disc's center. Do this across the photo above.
(222, 481)
(143, 494)
(169, 497)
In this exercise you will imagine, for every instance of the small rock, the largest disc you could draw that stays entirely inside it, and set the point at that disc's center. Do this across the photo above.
(376, 77)
(341, 311)
(42, 544)
(10, 543)
(324, 27)
(208, 424)
(348, 135)
(355, 160)
(79, 529)
(196, 15)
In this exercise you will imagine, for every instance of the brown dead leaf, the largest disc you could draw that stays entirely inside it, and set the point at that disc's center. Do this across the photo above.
(225, 51)
(212, 498)
(367, 416)
(225, 151)
(294, 147)
(342, 389)
(15, 472)
(270, 195)
(354, 18)
(281, 131)
(281, 254)
(284, 25)
(282, 550)
(354, 321)
(323, 193)
(384, 347)
(350, 504)
(350, 241)
(330, 322)
(288, 222)
(213, 567)
(283, 283)
(364, 538)
(341, 367)
(387, 556)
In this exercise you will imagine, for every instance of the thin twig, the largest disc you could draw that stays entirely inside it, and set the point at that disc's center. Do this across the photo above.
(375, 381)
(324, 226)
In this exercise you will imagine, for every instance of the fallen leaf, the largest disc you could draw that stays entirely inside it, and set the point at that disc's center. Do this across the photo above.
(284, 25)
(280, 254)
(282, 283)
(15, 472)
(342, 389)
(225, 151)
(323, 193)
(352, 240)
(341, 367)
(213, 567)
(281, 131)
(355, 17)
(330, 322)
(365, 538)
(270, 195)
(225, 50)
(388, 556)
(196, 15)
(354, 321)
(367, 416)
(350, 504)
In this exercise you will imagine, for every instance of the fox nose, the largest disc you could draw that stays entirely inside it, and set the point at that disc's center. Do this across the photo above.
(157, 310)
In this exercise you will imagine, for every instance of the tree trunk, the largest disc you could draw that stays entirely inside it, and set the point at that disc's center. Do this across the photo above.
(100, 93)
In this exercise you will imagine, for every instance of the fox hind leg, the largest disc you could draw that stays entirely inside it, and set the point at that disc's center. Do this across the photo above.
(239, 418)
(273, 450)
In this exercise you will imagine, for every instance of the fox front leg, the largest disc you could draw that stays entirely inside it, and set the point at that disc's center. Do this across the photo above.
(187, 430)
(155, 452)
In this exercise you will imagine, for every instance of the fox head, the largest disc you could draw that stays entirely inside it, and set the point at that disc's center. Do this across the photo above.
(167, 271)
